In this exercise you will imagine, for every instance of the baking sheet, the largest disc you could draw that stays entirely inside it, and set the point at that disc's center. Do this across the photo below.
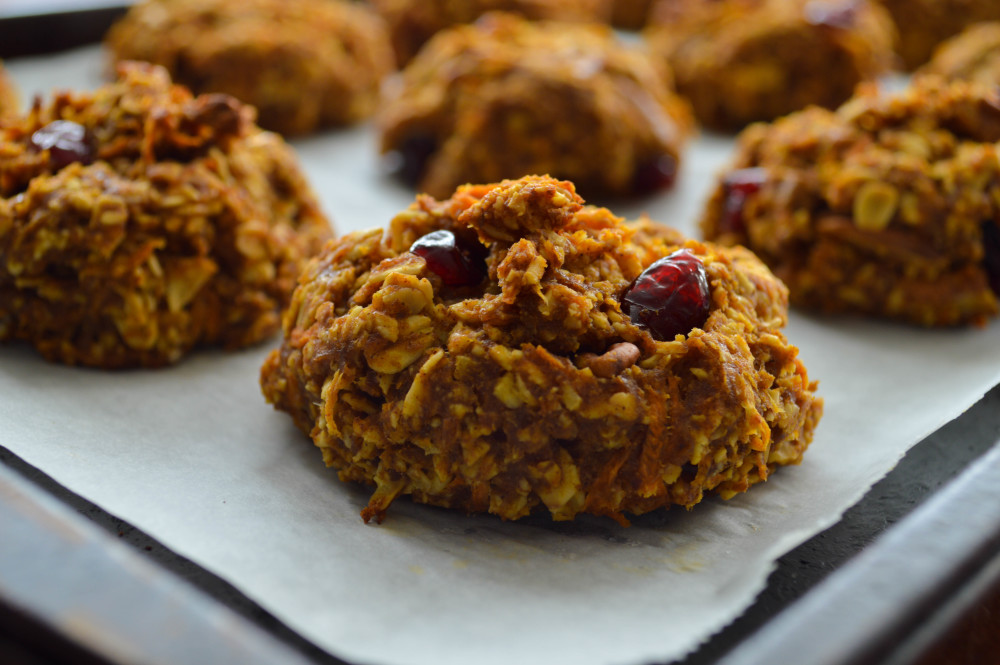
(193, 456)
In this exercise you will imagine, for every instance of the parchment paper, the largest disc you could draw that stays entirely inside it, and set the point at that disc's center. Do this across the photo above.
(194, 456)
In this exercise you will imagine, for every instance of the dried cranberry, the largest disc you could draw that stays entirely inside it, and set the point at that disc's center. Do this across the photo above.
(832, 14)
(408, 160)
(737, 186)
(66, 141)
(670, 297)
(655, 174)
(457, 263)
(991, 254)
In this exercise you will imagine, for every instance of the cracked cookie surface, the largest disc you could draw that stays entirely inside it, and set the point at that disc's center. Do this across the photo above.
(139, 221)
(528, 388)
(888, 207)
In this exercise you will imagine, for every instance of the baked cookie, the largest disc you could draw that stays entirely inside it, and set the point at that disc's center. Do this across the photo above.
(413, 22)
(505, 97)
(8, 93)
(139, 221)
(888, 207)
(509, 350)
(923, 24)
(630, 14)
(305, 64)
(740, 61)
(972, 55)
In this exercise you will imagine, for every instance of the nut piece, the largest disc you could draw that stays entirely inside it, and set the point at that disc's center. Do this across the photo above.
(874, 205)
(612, 362)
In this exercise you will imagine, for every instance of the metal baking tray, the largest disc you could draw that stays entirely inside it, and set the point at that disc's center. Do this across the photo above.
(843, 597)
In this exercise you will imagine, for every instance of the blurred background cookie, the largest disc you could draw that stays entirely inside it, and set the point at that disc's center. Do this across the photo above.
(923, 24)
(413, 22)
(9, 97)
(973, 55)
(304, 64)
(138, 221)
(507, 97)
(888, 207)
(740, 61)
(630, 14)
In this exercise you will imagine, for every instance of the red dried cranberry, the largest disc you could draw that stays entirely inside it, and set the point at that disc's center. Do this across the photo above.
(655, 174)
(670, 297)
(991, 254)
(457, 263)
(737, 186)
(408, 160)
(832, 14)
(66, 141)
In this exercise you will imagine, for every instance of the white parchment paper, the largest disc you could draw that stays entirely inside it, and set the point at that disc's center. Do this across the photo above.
(194, 456)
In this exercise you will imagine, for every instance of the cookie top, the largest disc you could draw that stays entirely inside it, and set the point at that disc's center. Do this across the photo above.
(139, 221)
(740, 61)
(305, 64)
(506, 97)
(888, 206)
(511, 348)
(972, 55)
(413, 22)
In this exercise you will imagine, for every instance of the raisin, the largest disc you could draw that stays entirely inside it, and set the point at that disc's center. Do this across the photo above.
(654, 174)
(670, 297)
(456, 262)
(408, 161)
(66, 141)
(737, 186)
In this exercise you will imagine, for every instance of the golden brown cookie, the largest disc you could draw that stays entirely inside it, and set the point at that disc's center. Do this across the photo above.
(506, 97)
(9, 98)
(138, 221)
(923, 24)
(888, 207)
(413, 22)
(740, 61)
(510, 349)
(972, 55)
(305, 64)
